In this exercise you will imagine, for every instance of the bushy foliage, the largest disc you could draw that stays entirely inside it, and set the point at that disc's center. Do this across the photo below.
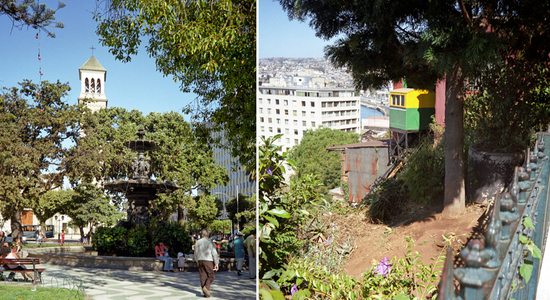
(424, 173)
(312, 157)
(398, 278)
(140, 240)
(137, 243)
(284, 210)
(110, 240)
(172, 234)
(386, 200)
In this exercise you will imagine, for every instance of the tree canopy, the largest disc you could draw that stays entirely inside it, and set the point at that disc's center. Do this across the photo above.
(31, 13)
(425, 41)
(207, 46)
(35, 123)
(312, 157)
(180, 157)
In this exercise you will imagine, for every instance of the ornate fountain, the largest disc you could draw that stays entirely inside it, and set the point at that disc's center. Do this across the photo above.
(139, 187)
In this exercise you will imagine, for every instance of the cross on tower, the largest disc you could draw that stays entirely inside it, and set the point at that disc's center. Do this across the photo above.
(92, 50)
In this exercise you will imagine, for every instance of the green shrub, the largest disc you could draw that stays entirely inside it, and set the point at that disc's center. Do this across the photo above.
(387, 200)
(110, 240)
(424, 173)
(138, 242)
(172, 234)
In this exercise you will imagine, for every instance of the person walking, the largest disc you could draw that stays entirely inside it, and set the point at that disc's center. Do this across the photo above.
(250, 244)
(238, 247)
(207, 260)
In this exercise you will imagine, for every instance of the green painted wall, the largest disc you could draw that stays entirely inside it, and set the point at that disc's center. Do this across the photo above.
(411, 118)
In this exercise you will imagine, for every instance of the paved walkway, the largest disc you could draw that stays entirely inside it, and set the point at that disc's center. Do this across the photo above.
(136, 285)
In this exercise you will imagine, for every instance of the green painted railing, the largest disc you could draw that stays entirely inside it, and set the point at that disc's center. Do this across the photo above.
(496, 266)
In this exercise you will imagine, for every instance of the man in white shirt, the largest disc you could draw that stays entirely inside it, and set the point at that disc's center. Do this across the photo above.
(207, 260)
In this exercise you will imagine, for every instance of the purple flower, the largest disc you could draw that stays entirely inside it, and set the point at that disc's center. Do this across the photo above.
(384, 267)
(269, 171)
(293, 289)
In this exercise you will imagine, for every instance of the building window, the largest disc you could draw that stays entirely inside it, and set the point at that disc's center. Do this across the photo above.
(261, 119)
(270, 129)
(312, 104)
(313, 114)
(286, 102)
(87, 85)
(286, 121)
(278, 121)
(98, 86)
(303, 113)
(295, 113)
(261, 110)
(304, 123)
(269, 120)
(312, 123)
(295, 131)
(286, 112)
(278, 130)
(295, 122)
(269, 111)
(268, 101)
(92, 86)
(262, 128)
(295, 141)
(303, 103)
(277, 111)
(287, 131)
(277, 101)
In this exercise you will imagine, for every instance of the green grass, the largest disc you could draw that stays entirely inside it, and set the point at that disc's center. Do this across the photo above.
(23, 292)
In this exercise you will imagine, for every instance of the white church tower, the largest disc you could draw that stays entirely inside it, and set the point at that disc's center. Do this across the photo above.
(92, 77)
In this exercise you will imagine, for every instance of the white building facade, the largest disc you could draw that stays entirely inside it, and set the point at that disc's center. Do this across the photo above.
(291, 110)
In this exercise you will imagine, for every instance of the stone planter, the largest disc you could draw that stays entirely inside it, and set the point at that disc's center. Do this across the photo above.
(489, 173)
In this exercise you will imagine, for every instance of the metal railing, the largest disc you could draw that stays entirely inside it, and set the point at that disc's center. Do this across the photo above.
(518, 221)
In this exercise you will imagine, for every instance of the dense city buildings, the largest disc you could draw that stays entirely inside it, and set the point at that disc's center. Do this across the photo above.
(296, 95)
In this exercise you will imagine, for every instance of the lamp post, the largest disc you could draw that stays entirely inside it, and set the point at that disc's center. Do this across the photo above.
(224, 215)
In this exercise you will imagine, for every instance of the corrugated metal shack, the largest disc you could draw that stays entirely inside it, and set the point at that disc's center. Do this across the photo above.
(362, 163)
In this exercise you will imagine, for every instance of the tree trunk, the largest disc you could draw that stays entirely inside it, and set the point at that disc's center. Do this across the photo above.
(81, 229)
(16, 230)
(454, 199)
(181, 214)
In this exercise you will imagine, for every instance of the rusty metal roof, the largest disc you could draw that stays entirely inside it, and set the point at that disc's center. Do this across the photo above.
(367, 144)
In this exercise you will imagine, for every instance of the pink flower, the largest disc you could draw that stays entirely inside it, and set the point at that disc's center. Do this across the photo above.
(293, 289)
(384, 267)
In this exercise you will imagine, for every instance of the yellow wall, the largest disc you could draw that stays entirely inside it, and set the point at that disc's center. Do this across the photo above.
(415, 99)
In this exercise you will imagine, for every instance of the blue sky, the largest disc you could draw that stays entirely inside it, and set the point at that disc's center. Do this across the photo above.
(133, 85)
(280, 37)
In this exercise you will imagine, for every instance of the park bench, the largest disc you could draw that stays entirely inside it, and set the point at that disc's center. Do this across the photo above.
(29, 264)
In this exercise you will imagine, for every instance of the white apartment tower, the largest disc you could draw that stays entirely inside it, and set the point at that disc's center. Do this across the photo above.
(92, 77)
(293, 110)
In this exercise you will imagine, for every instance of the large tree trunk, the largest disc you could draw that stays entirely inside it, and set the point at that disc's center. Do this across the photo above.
(16, 230)
(181, 213)
(455, 199)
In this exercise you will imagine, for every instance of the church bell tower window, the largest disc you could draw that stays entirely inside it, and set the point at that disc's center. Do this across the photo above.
(87, 85)
(98, 87)
(92, 86)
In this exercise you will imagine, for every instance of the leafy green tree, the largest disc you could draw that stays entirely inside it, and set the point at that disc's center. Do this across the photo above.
(380, 41)
(51, 203)
(90, 207)
(35, 123)
(205, 212)
(179, 157)
(30, 13)
(207, 46)
(312, 157)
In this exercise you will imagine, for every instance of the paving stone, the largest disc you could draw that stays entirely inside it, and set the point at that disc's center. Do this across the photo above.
(106, 284)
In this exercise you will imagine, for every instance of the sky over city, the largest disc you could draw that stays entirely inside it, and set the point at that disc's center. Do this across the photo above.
(280, 37)
(133, 85)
